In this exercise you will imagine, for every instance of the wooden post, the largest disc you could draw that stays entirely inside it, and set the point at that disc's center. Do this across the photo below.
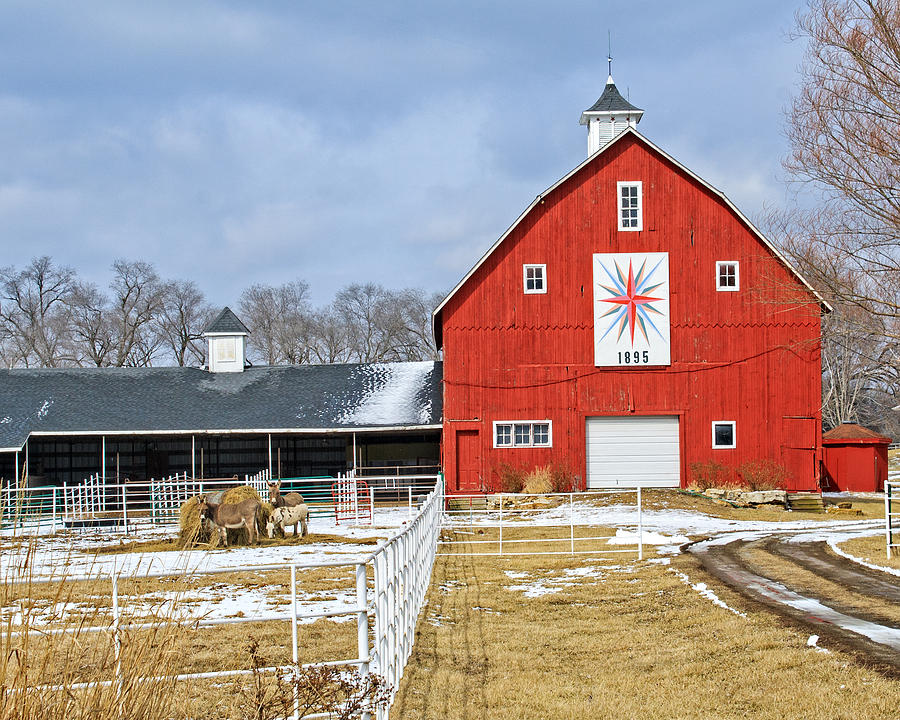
(270, 456)
(279, 463)
(193, 457)
(103, 457)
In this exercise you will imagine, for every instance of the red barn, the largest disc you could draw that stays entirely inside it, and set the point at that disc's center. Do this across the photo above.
(633, 326)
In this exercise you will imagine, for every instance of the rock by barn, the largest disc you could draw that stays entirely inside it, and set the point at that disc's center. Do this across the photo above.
(630, 325)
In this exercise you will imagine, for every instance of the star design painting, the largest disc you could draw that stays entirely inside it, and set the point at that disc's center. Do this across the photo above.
(631, 309)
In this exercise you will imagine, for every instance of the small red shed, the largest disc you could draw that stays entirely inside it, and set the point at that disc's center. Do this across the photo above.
(856, 459)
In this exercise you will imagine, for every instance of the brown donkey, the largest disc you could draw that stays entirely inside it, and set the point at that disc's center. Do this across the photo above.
(291, 499)
(245, 513)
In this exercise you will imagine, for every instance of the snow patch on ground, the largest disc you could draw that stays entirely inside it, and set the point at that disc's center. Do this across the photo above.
(626, 537)
(551, 584)
(703, 590)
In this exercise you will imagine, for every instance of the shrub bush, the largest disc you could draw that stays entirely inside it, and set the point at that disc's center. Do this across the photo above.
(763, 474)
(562, 479)
(539, 481)
(709, 474)
(512, 479)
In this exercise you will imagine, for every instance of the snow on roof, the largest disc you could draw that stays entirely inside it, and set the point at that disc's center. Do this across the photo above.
(393, 395)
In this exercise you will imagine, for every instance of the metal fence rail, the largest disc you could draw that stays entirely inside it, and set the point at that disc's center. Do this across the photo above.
(891, 515)
(401, 572)
(506, 511)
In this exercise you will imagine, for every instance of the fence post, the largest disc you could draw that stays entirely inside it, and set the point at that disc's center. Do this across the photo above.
(640, 526)
(362, 626)
(372, 505)
(572, 521)
(117, 639)
(887, 518)
(53, 500)
(124, 508)
(409, 506)
(501, 524)
(295, 654)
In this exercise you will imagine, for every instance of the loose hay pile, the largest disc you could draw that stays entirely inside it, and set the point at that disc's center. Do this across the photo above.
(192, 532)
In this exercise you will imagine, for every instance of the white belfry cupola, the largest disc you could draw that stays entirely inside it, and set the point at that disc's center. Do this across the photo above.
(609, 116)
(227, 337)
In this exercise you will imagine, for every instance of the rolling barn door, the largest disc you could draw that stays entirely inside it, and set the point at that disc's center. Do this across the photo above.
(630, 451)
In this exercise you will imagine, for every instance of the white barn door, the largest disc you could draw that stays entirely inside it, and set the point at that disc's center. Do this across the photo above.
(633, 450)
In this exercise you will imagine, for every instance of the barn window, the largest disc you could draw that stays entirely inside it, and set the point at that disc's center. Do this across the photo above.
(723, 434)
(523, 434)
(535, 277)
(728, 276)
(630, 206)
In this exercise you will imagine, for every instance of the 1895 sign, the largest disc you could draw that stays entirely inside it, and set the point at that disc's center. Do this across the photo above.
(631, 309)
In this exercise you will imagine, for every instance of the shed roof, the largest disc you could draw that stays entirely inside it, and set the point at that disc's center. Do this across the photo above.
(226, 322)
(851, 431)
(314, 398)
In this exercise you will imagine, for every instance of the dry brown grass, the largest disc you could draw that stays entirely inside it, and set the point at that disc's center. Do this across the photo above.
(873, 549)
(638, 644)
(538, 481)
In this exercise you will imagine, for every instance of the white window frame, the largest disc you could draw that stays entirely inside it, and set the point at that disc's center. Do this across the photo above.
(640, 204)
(512, 433)
(543, 288)
(733, 434)
(737, 276)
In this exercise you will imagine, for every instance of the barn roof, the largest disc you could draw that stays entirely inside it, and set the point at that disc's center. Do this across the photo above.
(170, 400)
(435, 316)
(226, 322)
(851, 431)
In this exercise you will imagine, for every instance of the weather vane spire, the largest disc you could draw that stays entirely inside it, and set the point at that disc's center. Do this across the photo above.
(609, 51)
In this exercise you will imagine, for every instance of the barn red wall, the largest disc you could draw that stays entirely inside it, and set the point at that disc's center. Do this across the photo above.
(751, 356)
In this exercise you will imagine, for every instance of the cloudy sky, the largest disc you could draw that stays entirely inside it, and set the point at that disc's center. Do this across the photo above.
(241, 142)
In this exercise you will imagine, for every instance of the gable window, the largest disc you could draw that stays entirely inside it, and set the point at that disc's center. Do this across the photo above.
(225, 350)
(523, 434)
(728, 276)
(630, 206)
(723, 434)
(535, 277)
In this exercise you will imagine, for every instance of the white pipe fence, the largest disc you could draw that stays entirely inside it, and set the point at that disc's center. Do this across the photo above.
(95, 503)
(401, 570)
(512, 511)
(891, 511)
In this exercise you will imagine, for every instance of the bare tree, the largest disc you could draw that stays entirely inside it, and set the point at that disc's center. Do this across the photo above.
(34, 313)
(179, 324)
(279, 318)
(92, 335)
(843, 128)
(137, 298)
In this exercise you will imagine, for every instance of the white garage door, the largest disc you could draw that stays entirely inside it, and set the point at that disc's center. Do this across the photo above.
(630, 451)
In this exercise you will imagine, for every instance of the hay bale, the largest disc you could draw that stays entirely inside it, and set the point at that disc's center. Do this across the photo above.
(192, 532)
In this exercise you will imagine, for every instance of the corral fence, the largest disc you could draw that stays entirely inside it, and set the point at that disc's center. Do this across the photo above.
(480, 521)
(103, 502)
(891, 515)
(386, 610)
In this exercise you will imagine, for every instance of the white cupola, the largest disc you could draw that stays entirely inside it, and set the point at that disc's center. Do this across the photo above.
(609, 116)
(227, 337)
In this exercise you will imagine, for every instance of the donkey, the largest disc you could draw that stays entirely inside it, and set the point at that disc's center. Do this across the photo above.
(285, 516)
(245, 513)
(278, 500)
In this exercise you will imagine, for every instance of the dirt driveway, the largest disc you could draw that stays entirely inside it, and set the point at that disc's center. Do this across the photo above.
(797, 576)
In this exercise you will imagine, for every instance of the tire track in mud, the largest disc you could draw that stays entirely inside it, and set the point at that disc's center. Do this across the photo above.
(874, 642)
